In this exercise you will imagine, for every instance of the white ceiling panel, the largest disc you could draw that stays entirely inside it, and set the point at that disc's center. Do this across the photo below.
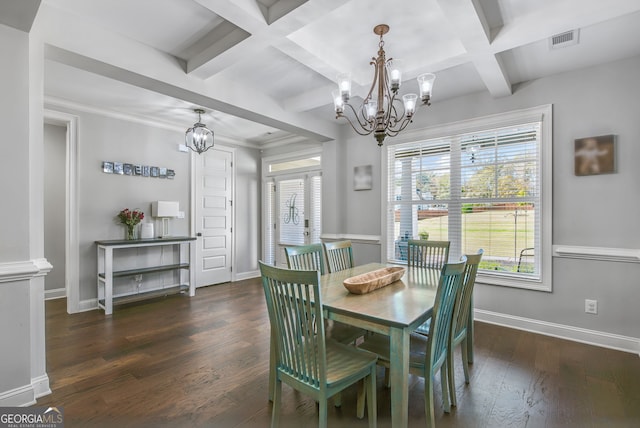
(264, 69)
(611, 40)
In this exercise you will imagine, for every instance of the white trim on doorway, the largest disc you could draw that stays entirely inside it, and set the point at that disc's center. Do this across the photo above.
(72, 251)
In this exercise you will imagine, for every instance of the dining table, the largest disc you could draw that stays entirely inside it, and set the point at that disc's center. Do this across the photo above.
(395, 310)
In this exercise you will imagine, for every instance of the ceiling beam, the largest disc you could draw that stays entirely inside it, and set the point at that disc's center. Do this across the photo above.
(470, 23)
(288, 17)
(93, 49)
(19, 14)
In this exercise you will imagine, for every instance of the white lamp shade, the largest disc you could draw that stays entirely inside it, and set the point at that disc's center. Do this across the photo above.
(165, 208)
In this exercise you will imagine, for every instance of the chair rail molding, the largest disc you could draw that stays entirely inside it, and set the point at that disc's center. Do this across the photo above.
(361, 239)
(628, 255)
(24, 270)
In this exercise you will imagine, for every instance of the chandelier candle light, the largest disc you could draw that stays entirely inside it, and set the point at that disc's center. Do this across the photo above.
(199, 138)
(382, 112)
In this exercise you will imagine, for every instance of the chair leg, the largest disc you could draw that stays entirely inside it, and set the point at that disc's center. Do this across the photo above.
(445, 388)
(272, 367)
(387, 379)
(322, 417)
(465, 359)
(450, 368)
(428, 400)
(337, 399)
(277, 397)
(372, 399)
(362, 395)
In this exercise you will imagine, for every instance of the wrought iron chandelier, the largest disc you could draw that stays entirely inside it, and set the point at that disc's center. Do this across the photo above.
(382, 112)
(199, 138)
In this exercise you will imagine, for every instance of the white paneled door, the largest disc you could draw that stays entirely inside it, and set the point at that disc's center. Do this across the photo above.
(213, 216)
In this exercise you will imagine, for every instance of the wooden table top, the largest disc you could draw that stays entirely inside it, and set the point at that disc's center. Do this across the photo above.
(400, 304)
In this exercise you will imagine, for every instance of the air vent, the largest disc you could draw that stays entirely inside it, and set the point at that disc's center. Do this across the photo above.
(564, 39)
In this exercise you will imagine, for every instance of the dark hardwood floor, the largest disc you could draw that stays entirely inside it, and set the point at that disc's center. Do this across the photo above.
(203, 362)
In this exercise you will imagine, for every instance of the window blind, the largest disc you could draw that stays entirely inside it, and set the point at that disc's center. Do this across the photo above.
(315, 221)
(477, 190)
(292, 215)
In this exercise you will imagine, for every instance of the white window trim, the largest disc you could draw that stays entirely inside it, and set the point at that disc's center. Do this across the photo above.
(542, 113)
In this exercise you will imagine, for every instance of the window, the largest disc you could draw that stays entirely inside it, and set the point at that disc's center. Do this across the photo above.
(484, 183)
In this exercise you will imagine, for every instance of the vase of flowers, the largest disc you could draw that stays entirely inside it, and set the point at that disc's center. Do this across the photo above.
(130, 219)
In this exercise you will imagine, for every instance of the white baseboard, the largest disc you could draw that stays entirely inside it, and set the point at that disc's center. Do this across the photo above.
(576, 334)
(18, 397)
(247, 275)
(40, 386)
(56, 293)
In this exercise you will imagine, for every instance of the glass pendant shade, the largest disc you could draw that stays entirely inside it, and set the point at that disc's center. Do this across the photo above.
(409, 101)
(425, 83)
(338, 103)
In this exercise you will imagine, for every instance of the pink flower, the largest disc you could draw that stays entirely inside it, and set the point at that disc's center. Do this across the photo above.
(130, 218)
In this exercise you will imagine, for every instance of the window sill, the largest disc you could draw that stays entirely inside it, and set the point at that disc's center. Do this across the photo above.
(513, 282)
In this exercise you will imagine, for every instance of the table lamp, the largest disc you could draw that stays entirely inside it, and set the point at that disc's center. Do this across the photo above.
(165, 210)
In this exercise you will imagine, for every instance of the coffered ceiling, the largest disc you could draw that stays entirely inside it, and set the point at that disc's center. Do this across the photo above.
(264, 69)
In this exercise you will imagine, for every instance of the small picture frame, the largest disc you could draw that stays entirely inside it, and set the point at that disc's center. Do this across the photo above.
(145, 170)
(363, 177)
(155, 171)
(163, 173)
(595, 155)
(137, 169)
(171, 174)
(107, 167)
(118, 168)
(127, 169)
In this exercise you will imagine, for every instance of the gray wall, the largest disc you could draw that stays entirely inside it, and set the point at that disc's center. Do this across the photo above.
(101, 196)
(15, 322)
(55, 141)
(595, 211)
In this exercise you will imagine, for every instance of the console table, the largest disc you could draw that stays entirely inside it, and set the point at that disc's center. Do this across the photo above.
(106, 272)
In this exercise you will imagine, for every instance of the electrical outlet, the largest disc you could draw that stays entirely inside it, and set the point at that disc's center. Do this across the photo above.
(591, 306)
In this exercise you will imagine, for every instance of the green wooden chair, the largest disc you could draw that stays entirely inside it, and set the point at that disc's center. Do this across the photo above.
(461, 330)
(310, 257)
(305, 257)
(304, 358)
(429, 353)
(425, 253)
(339, 255)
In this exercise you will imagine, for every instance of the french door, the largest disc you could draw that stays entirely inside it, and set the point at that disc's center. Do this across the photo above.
(294, 218)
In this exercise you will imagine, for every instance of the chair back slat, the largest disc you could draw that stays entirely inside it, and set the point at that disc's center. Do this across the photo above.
(444, 309)
(339, 255)
(294, 302)
(305, 257)
(466, 291)
(424, 253)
